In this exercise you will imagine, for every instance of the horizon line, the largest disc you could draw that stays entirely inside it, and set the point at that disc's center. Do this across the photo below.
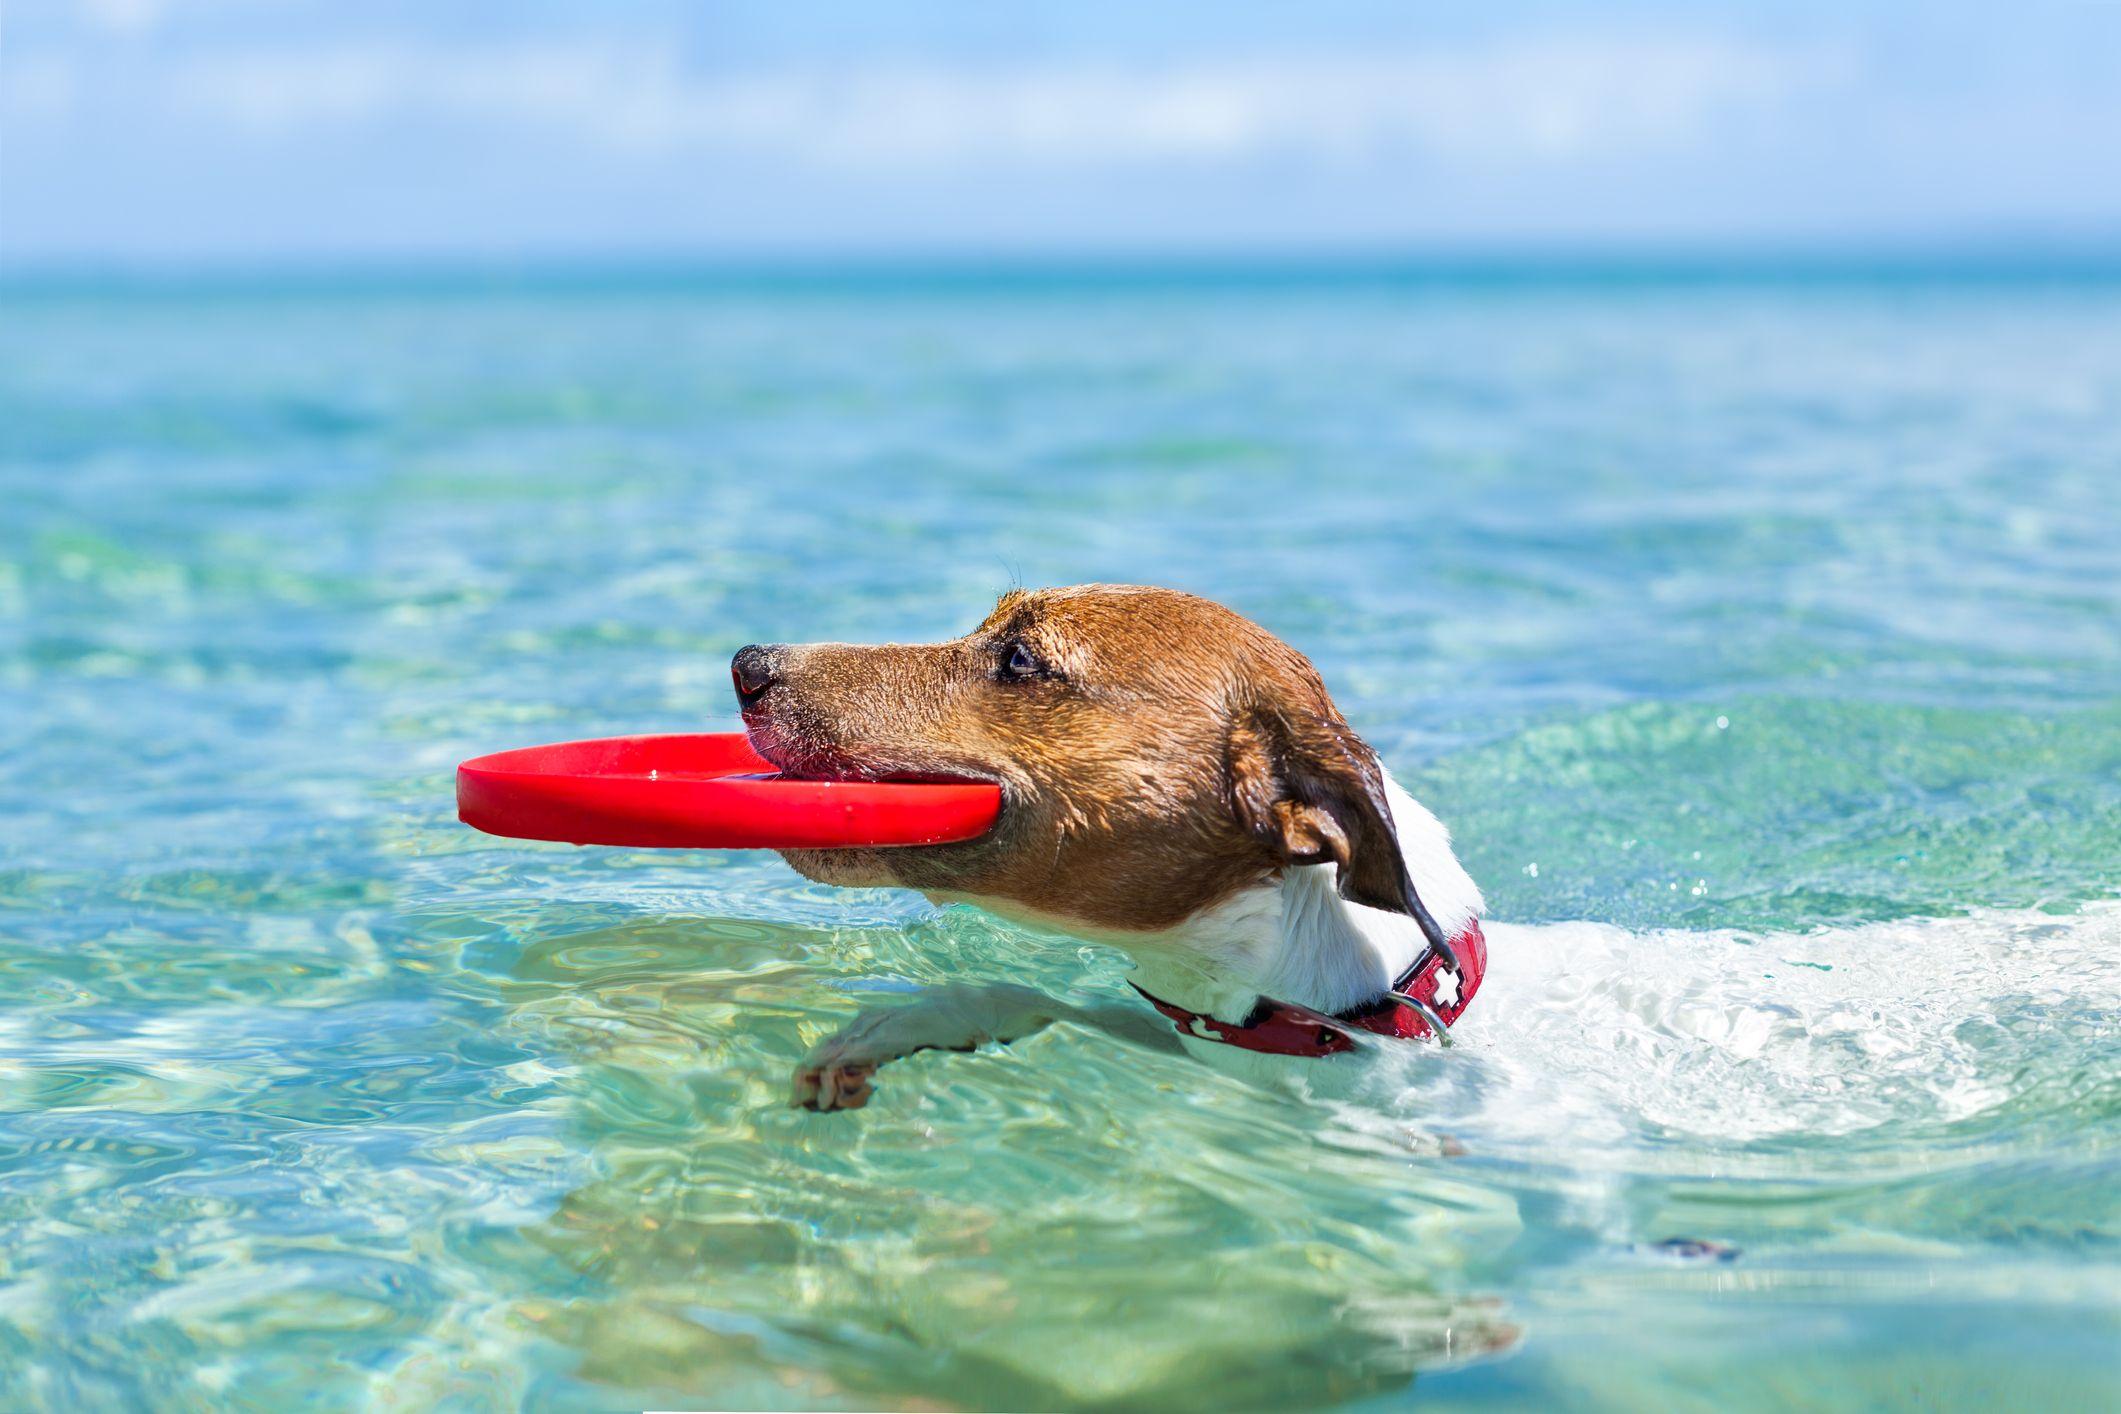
(1649, 262)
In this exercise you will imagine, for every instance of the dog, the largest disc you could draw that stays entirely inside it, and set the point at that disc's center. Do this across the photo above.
(1176, 782)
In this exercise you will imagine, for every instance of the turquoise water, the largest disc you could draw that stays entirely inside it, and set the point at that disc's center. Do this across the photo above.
(1759, 639)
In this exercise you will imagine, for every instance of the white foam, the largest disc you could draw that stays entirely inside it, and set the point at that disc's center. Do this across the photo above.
(1585, 1032)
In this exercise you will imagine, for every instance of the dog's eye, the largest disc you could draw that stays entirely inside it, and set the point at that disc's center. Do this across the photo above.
(1018, 661)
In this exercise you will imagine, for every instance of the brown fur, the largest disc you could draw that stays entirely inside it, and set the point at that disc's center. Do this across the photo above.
(1170, 754)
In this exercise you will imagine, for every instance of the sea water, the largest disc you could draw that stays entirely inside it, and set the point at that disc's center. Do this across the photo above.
(1759, 638)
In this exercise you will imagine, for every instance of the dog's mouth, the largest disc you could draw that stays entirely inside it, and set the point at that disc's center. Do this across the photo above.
(850, 771)
(817, 761)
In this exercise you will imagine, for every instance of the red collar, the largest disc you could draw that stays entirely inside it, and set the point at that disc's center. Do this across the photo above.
(1286, 1029)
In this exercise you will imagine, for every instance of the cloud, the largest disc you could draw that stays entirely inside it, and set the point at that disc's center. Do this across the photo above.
(1526, 101)
(124, 17)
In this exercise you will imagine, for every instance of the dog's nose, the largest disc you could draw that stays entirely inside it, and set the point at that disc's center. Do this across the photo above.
(755, 670)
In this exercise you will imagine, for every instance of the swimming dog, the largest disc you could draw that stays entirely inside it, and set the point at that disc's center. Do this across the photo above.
(1176, 782)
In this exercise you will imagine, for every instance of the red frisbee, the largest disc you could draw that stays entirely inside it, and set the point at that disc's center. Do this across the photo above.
(704, 791)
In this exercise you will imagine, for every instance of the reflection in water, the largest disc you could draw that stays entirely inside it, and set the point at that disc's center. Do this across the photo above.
(1071, 1221)
(1642, 1119)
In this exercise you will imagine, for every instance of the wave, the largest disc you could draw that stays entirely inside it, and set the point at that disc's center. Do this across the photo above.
(1933, 1028)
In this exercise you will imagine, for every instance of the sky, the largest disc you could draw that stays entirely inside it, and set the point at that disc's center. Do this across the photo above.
(173, 132)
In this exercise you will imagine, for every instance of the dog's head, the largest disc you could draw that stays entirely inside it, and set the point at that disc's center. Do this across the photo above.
(1156, 754)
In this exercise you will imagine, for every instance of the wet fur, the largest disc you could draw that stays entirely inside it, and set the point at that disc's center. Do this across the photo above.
(1177, 781)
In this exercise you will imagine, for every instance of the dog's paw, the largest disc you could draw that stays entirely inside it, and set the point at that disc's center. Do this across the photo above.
(842, 1084)
(836, 1073)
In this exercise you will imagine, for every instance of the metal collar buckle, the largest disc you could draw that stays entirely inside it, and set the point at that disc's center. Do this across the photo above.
(1438, 1027)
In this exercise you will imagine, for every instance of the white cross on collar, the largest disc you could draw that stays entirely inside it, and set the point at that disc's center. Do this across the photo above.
(1446, 987)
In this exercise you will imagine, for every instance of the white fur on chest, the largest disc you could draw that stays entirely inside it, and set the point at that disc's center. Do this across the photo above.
(1297, 940)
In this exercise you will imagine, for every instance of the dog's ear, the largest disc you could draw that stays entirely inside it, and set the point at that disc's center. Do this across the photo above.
(1309, 789)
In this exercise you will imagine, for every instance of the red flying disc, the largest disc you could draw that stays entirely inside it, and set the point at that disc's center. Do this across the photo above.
(704, 791)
